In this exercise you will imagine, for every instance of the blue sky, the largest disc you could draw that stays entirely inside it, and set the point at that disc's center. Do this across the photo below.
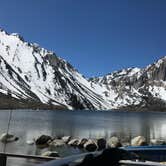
(95, 36)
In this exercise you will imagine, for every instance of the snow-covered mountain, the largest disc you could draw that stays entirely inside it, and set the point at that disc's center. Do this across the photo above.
(134, 88)
(33, 77)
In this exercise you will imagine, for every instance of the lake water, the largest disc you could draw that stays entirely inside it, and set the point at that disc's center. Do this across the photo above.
(28, 124)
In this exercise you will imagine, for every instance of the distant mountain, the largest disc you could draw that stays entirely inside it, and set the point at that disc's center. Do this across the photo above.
(33, 77)
(135, 89)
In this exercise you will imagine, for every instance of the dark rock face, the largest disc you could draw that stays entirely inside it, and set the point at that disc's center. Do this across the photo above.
(157, 71)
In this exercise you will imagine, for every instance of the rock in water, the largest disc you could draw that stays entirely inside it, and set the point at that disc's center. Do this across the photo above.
(82, 142)
(66, 139)
(43, 141)
(90, 145)
(101, 143)
(114, 142)
(138, 141)
(57, 143)
(73, 142)
(51, 154)
(8, 138)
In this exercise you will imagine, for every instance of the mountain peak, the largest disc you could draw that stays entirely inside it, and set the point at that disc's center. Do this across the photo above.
(18, 36)
(33, 77)
(34, 74)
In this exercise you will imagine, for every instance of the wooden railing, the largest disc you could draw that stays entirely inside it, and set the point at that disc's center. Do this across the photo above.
(4, 156)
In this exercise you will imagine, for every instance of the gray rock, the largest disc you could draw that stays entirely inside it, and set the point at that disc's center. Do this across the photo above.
(50, 154)
(138, 141)
(114, 142)
(5, 138)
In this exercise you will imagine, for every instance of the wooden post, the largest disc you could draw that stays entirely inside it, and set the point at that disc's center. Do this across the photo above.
(3, 160)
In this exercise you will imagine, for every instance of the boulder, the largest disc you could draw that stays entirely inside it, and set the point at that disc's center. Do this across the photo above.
(57, 143)
(43, 141)
(138, 141)
(50, 154)
(5, 138)
(90, 145)
(82, 142)
(101, 143)
(114, 142)
(66, 139)
(73, 142)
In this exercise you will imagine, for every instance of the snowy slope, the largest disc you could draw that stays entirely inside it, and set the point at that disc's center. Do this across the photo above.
(33, 77)
(33, 73)
(134, 88)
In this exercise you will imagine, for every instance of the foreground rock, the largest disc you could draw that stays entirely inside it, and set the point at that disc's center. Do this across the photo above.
(101, 143)
(139, 141)
(50, 154)
(5, 138)
(114, 142)
(90, 145)
(43, 141)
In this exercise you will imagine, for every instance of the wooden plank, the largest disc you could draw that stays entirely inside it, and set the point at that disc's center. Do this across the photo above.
(3, 160)
(28, 156)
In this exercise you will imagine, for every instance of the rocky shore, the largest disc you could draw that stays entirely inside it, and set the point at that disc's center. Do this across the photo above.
(84, 144)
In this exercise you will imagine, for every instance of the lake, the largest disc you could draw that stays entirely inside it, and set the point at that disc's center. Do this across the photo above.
(29, 124)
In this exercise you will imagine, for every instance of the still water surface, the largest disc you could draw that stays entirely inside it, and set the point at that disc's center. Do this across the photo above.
(29, 124)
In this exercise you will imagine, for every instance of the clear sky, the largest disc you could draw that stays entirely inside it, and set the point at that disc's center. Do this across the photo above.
(95, 36)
